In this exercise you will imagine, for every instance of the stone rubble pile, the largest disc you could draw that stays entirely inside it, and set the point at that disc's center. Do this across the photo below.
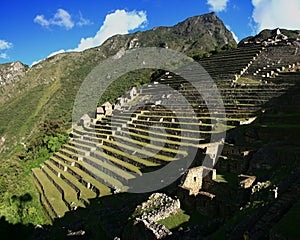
(159, 206)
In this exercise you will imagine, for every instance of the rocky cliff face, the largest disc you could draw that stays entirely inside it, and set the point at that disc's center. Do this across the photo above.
(10, 74)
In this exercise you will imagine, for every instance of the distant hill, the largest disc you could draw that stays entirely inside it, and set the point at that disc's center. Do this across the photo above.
(271, 34)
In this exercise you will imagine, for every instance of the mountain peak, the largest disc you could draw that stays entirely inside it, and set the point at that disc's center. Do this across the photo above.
(195, 35)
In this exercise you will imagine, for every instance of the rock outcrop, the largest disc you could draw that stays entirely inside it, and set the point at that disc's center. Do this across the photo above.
(11, 73)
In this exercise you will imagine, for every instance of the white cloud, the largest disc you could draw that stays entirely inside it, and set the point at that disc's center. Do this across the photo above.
(233, 34)
(61, 18)
(83, 21)
(5, 45)
(119, 22)
(40, 19)
(269, 14)
(4, 56)
(217, 5)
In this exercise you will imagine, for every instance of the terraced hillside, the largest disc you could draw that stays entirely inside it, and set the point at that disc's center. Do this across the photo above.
(107, 153)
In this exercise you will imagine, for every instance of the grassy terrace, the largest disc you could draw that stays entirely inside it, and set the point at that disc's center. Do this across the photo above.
(258, 88)
(149, 145)
(144, 153)
(263, 87)
(200, 113)
(122, 164)
(103, 189)
(202, 118)
(133, 159)
(43, 200)
(85, 146)
(104, 130)
(65, 158)
(96, 161)
(186, 131)
(117, 118)
(69, 193)
(96, 172)
(238, 58)
(125, 137)
(71, 150)
(85, 193)
(86, 142)
(177, 108)
(101, 176)
(51, 193)
(175, 81)
(71, 154)
(234, 60)
(143, 135)
(113, 124)
(81, 132)
(113, 146)
(230, 113)
(153, 121)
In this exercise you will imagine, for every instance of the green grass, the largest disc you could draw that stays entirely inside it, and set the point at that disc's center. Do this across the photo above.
(149, 145)
(221, 178)
(52, 193)
(184, 141)
(119, 162)
(248, 81)
(105, 177)
(176, 220)
(112, 168)
(85, 193)
(43, 200)
(227, 177)
(130, 156)
(69, 193)
(139, 150)
(104, 190)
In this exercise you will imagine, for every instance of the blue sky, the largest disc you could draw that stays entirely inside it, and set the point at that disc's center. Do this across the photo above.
(33, 30)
